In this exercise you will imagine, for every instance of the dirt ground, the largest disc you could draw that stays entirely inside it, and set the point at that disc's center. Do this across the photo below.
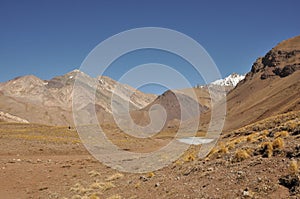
(39, 161)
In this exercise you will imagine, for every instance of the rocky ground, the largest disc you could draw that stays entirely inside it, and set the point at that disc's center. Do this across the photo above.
(256, 161)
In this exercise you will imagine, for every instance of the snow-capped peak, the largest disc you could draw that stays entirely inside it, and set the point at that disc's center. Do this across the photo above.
(231, 80)
(76, 71)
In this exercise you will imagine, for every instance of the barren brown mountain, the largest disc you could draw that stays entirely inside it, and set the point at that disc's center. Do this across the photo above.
(271, 87)
(178, 106)
(50, 102)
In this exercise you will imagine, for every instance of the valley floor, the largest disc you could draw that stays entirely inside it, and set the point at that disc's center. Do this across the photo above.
(256, 161)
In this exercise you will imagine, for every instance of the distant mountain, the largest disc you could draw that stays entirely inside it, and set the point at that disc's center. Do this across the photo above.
(215, 91)
(271, 87)
(232, 80)
(50, 101)
(166, 111)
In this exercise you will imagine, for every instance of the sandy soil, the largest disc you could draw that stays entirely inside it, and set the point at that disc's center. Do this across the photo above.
(39, 161)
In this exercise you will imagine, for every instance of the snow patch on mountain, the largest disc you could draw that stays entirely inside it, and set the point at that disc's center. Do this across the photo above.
(231, 80)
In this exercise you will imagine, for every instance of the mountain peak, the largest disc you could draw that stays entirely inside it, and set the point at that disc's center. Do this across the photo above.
(232, 80)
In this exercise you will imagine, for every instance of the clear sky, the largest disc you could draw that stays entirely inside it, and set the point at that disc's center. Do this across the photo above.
(50, 38)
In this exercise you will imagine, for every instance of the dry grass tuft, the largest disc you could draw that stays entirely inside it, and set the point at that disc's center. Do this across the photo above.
(282, 134)
(266, 149)
(116, 196)
(241, 155)
(223, 149)
(265, 132)
(239, 140)
(294, 168)
(189, 157)
(213, 152)
(107, 185)
(79, 189)
(150, 175)
(231, 145)
(115, 177)
(103, 186)
(291, 126)
(262, 138)
(252, 137)
(76, 197)
(94, 196)
(137, 185)
(278, 143)
(94, 173)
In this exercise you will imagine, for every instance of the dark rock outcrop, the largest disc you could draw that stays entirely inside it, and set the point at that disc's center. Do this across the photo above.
(283, 60)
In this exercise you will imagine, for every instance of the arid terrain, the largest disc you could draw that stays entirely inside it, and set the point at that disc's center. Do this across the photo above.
(256, 161)
(257, 154)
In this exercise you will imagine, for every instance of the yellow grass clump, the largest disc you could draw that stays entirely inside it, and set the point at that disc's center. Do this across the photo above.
(294, 168)
(292, 125)
(252, 138)
(223, 149)
(231, 145)
(213, 151)
(278, 143)
(115, 177)
(94, 196)
(265, 132)
(262, 137)
(239, 140)
(116, 196)
(282, 134)
(94, 173)
(79, 189)
(241, 155)
(150, 175)
(189, 157)
(103, 186)
(267, 149)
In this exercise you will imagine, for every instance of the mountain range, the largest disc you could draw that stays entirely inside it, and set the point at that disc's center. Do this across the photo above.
(50, 102)
(271, 87)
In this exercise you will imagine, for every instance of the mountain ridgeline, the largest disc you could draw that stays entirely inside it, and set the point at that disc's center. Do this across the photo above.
(271, 87)
(50, 102)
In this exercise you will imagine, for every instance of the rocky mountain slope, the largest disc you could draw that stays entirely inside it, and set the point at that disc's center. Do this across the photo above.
(50, 102)
(271, 87)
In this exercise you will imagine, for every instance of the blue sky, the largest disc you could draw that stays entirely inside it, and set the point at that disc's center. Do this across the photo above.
(50, 38)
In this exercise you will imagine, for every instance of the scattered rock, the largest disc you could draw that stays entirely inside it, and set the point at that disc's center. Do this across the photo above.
(210, 169)
(66, 166)
(248, 193)
(43, 188)
(291, 182)
(143, 178)
(259, 179)
(240, 172)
